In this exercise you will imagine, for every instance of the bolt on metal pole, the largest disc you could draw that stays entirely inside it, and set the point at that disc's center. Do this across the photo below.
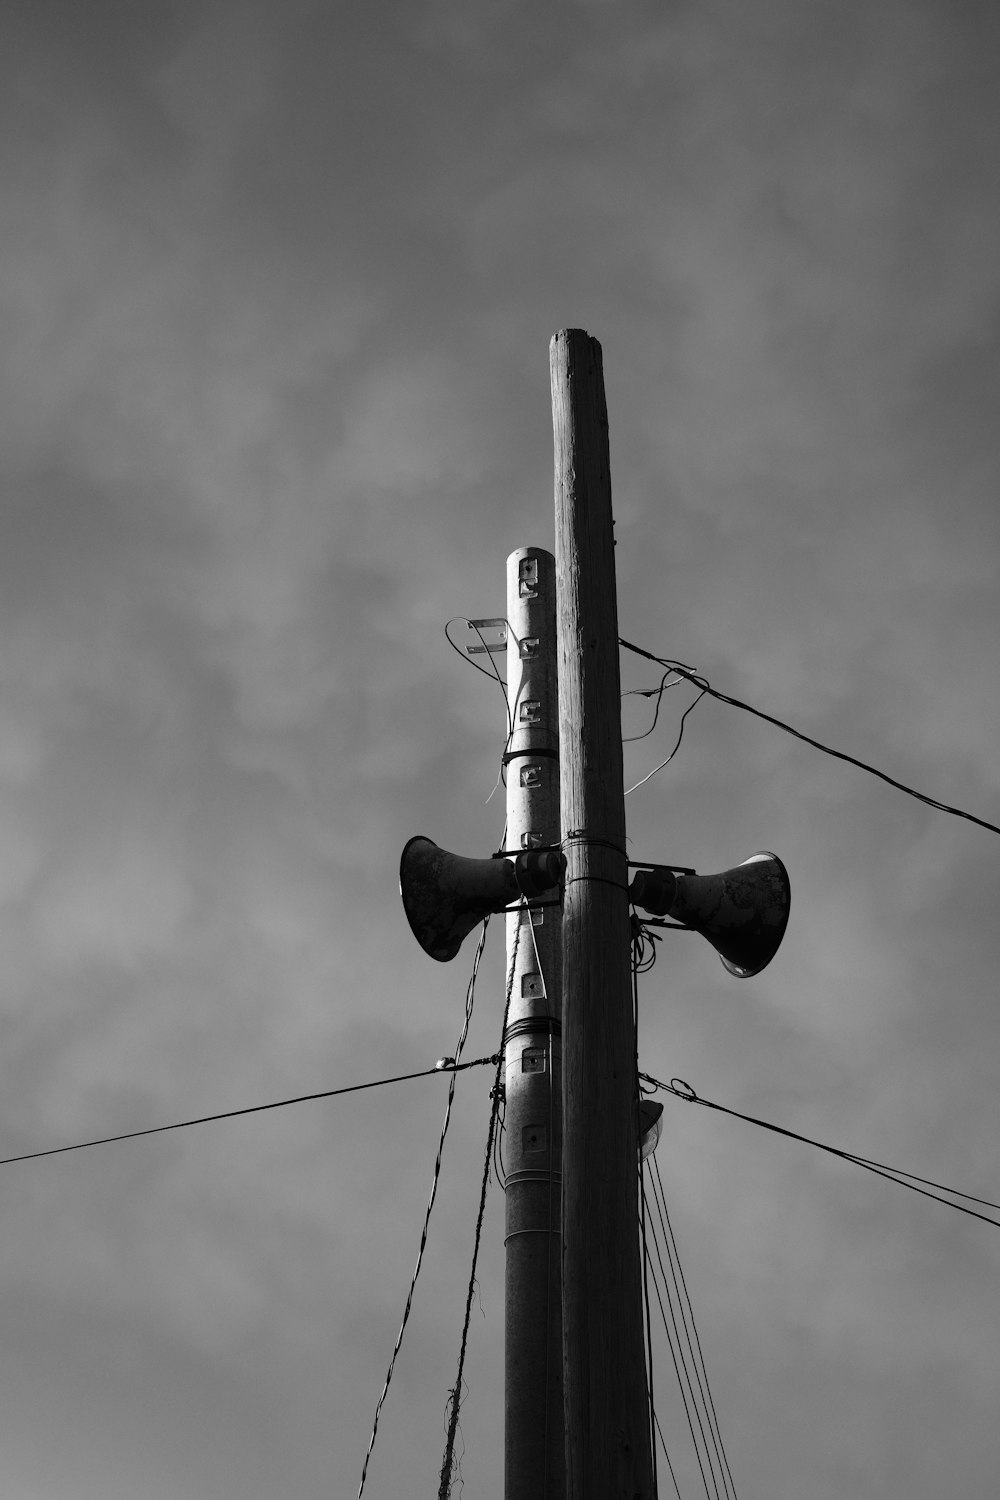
(532, 1141)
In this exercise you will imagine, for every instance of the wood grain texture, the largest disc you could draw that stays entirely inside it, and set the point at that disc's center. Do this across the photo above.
(607, 1425)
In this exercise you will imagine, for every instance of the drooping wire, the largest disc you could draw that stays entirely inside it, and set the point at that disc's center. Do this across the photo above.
(469, 1002)
(706, 687)
(492, 671)
(495, 675)
(656, 693)
(682, 1090)
(643, 945)
(448, 1475)
(677, 745)
(499, 1170)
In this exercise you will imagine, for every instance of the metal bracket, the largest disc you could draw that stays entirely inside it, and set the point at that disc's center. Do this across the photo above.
(493, 647)
(639, 864)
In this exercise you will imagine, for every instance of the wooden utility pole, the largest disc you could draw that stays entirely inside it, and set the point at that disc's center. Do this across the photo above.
(533, 1447)
(608, 1453)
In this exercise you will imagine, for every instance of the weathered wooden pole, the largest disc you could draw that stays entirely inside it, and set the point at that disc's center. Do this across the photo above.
(606, 1407)
(534, 1457)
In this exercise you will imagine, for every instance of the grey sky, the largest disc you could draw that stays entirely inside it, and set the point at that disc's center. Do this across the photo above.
(276, 289)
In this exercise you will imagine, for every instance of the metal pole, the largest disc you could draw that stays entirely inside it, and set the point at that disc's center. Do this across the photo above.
(607, 1428)
(532, 1140)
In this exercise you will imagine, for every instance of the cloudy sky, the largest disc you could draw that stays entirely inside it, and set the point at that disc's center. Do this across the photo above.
(277, 283)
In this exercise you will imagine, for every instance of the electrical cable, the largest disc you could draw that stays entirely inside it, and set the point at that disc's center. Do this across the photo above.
(891, 1174)
(656, 693)
(691, 1335)
(649, 1329)
(677, 745)
(697, 1338)
(706, 687)
(455, 1395)
(643, 945)
(637, 965)
(666, 1455)
(679, 1321)
(499, 1170)
(495, 676)
(469, 1001)
(468, 659)
(549, 1214)
(445, 1066)
(683, 1382)
(680, 1296)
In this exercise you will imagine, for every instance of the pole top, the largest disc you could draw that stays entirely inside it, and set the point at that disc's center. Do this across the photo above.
(523, 552)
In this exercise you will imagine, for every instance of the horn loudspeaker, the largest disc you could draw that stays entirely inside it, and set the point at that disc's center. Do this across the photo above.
(743, 912)
(446, 895)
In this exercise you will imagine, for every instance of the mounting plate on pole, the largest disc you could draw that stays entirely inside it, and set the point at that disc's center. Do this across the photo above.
(492, 647)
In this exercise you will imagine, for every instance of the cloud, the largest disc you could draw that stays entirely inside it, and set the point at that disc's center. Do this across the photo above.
(278, 286)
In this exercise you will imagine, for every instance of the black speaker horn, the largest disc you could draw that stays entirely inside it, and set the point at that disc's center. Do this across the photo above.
(743, 912)
(445, 895)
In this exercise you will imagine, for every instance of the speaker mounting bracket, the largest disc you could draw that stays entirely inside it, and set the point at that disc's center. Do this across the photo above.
(644, 864)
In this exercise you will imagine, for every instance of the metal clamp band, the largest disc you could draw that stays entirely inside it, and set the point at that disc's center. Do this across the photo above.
(543, 752)
(530, 1025)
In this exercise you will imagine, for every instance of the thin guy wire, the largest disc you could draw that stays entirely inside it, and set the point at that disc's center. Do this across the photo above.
(674, 1351)
(697, 1396)
(635, 953)
(252, 1109)
(690, 1326)
(666, 1455)
(469, 1000)
(891, 1174)
(448, 1461)
(862, 765)
(694, 1325)
(670, 1240)
(649, 1326)
(667, 1238)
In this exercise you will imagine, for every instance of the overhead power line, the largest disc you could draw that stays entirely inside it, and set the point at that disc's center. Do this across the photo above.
(448, 1463)
(470, 997)
(446, 1065)
(682, 1090)
(706, 687)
